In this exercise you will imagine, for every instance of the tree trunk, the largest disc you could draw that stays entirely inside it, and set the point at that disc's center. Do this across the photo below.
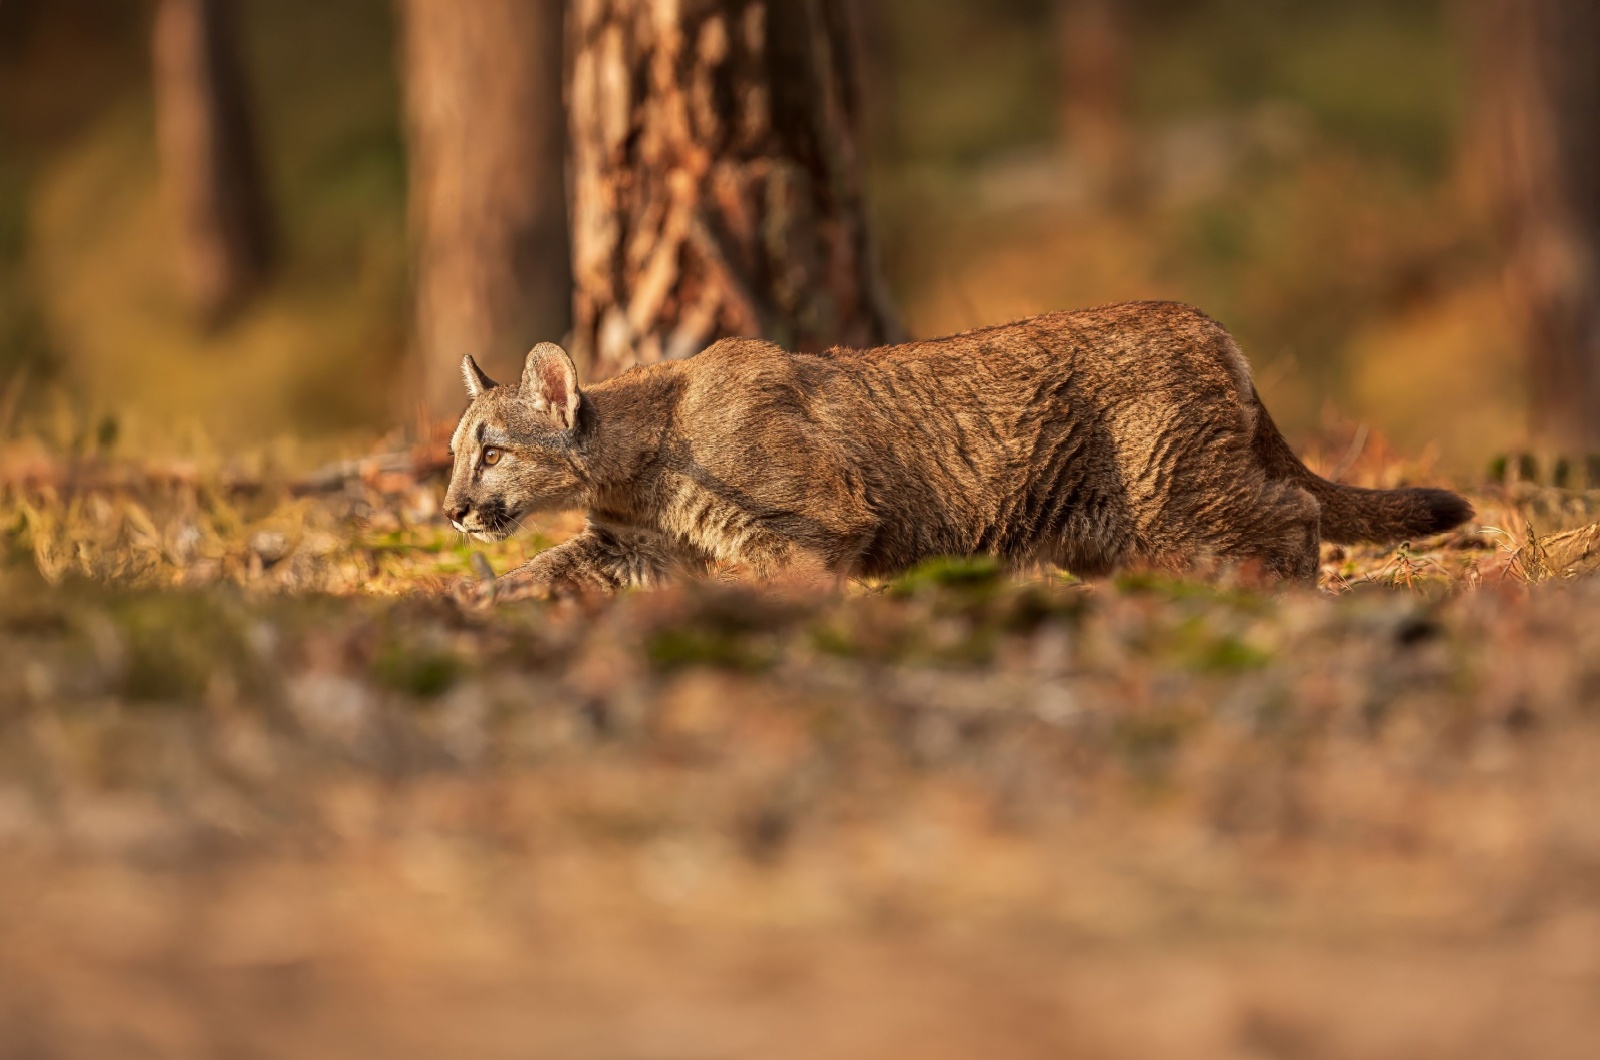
(1539, 145)
(1094, 84)
(488, 206)
(209, 160)
(716, 179)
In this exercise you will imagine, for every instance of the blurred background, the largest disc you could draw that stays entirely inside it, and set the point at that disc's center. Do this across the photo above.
(226, 222)
(273, 783)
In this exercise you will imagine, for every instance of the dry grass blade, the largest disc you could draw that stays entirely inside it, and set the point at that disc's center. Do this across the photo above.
(1564, 555)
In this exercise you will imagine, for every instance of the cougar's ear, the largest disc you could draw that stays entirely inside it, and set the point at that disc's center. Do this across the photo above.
(473, 376)
(550, 384)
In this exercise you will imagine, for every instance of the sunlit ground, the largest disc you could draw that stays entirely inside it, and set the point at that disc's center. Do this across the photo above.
(276, 780)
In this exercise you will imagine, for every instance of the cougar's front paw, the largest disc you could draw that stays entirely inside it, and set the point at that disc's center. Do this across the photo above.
(518, 585)
(476, 589)
(551, 575)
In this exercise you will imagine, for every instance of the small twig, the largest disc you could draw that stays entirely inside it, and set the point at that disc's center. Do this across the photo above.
(1357, 444)
(1529, 559)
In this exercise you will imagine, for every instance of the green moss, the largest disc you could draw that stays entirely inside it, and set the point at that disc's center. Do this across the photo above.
(974, 573)
(676, 649)
(1033, 605)
(1193, 590)
(173, 644)
(831, 640)
(424, 672)
(1228, 654)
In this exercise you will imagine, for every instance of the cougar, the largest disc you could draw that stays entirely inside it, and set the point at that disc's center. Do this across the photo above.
(1128, 435)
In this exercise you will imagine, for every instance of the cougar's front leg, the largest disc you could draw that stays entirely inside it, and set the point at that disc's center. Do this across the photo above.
(600, 559)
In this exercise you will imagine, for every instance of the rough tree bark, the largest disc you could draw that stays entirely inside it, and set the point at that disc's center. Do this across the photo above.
(1539, 147)
(486, 139)
(1092, 49)
(716, 179)
(209, 160)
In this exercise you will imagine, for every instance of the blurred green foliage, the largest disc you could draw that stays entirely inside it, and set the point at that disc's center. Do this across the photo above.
(1384, 76)
(973, 79)
(1298, 157)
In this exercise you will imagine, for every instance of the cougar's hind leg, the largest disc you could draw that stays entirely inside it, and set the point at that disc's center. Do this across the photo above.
(1090, 562)
(1265, 529)
(1281, 533)
(1092, 548)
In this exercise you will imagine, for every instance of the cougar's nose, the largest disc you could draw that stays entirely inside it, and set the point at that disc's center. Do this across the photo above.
(458, 511)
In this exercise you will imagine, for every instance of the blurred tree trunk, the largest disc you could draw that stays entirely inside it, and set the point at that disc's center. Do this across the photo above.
(877, 63)
(717, 179)
(1092, 46)
(209, 160)
(488, 205)
(1538, 148)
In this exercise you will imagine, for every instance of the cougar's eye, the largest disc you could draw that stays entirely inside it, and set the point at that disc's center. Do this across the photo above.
(491, 457)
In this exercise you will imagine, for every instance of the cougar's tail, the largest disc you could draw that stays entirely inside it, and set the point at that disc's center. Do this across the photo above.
(1351, 514)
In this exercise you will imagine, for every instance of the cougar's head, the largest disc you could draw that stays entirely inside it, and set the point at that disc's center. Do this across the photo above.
(517, 448)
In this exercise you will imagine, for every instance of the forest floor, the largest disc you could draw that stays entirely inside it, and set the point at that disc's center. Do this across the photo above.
(276, 781)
